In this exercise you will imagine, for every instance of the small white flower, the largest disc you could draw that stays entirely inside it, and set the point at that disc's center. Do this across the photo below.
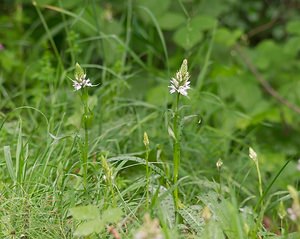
(81, 83)
(80, 78)
(180, 83)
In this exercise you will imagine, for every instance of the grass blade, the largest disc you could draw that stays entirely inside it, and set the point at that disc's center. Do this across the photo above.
(9, 163)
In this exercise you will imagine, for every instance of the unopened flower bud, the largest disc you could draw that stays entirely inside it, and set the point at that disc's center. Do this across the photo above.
(146, 139)
(219, 164)
(252, 154)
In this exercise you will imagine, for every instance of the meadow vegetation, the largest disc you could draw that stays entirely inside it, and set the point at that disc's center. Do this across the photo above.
(149, 119)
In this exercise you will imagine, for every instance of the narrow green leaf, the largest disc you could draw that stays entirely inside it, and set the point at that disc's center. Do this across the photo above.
(19, 156)
(9, 163)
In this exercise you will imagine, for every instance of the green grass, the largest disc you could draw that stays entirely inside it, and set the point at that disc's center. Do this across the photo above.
(77, 164)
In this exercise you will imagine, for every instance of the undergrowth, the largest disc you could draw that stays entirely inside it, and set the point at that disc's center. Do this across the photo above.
(149, 119)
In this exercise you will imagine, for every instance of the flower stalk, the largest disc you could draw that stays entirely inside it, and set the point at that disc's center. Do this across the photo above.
(176, 151)
(80, 84)
(219, 165)
(180, 84)
(146, 143)
(253, 156)
(86, 136)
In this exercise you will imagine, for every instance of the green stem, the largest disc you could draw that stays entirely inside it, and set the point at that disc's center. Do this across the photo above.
(220, 181)
(147, 177)
(176, 151)
(86, 137)
(111, 186)
(259, 179)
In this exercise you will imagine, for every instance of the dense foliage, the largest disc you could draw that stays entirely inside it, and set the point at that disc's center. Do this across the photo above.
(244, 64)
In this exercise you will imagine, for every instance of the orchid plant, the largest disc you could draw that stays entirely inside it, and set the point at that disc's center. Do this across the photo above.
(180, 85)
(81, 84)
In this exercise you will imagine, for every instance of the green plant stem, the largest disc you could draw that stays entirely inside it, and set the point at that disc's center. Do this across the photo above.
(220, 181)
(111, 187)
(86, 140)
(147, 177)
(259, 179)
(86, 137)
(176, 151)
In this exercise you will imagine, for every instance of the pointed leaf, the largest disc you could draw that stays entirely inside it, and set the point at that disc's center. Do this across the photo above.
(9, 163)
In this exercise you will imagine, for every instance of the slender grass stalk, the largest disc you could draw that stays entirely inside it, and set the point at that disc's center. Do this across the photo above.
(128, 31)
(20, 163)
(253, 156)
(219, 165)
(259, 179)
(146, 143)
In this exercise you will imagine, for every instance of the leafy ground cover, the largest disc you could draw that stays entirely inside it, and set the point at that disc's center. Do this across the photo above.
(149, 119)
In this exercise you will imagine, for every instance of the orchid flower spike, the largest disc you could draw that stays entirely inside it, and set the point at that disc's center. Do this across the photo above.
(80, 78)
(180, 83)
